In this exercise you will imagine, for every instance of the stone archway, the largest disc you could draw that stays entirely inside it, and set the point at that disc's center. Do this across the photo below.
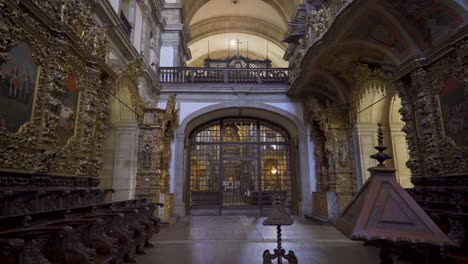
(295, 128)
(380, 105)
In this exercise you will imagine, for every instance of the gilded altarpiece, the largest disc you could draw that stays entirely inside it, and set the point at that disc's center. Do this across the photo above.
(62, 88)
(156, 135)
(149, 154)
(333, 156)
(434, 108)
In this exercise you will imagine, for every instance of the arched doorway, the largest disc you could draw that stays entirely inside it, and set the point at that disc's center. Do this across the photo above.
(120, 148)
(239, 163)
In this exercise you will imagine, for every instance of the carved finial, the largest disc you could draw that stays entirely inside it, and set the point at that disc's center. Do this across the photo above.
(380, 156)
(380, 134)
(277, 199)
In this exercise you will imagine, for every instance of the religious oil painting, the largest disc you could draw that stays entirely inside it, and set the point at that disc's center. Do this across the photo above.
(454, 106)
(18, 79)
(68, 112)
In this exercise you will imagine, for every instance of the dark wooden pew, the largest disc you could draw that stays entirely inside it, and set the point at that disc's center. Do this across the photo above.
(101, 233)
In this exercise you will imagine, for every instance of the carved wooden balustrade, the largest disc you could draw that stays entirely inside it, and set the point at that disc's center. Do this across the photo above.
(211, 75)
(321, 16)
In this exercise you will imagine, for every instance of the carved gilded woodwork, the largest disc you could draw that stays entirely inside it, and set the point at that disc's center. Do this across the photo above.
(149, 152)
(64, 41)
(320, 18)
(156, 134)
(334, 157)
(432, 151)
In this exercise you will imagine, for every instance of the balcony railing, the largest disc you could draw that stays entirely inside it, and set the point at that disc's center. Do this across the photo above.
(210, 75)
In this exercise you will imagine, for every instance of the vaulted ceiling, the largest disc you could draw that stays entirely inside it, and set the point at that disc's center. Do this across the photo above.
(259, 25)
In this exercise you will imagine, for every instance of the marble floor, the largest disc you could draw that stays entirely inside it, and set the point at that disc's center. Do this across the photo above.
(242, 240)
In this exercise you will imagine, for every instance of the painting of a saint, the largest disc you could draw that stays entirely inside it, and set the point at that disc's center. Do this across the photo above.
(18, 78)
(455, 111)
(68, 112)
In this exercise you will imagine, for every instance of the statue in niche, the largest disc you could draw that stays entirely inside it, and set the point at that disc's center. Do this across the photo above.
(343, 153)
(152, 52)
(147, 153)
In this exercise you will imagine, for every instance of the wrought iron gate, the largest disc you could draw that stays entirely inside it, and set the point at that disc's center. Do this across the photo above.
(239, 163)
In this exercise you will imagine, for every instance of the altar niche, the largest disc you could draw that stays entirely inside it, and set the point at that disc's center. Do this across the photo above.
(239, 163)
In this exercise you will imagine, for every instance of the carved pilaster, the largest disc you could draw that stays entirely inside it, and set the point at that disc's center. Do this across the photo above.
(407, 113)
(434, 100)
(149, 154)
(333, 155)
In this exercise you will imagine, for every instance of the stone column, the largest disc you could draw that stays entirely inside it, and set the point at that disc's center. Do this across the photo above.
(125, 136)
(179, 177)
(305, 205)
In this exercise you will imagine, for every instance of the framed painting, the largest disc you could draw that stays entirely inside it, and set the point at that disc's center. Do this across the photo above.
(454, 109)
(69, 111)
(18, 84)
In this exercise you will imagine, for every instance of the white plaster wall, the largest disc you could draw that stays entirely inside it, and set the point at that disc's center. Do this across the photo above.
(115, 5)
(293, 108)
(188, 108)
(138, 25)
(167, 56)
(125, 169)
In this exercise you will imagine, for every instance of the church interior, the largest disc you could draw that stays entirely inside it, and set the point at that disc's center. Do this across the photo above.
(209, 131)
